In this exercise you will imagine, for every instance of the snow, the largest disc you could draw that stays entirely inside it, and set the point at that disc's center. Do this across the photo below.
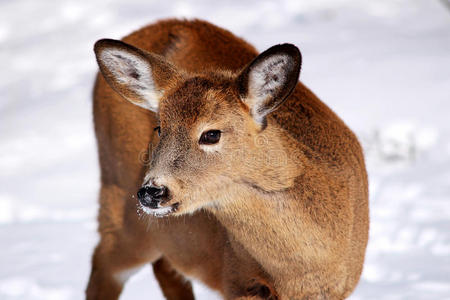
(383, 66)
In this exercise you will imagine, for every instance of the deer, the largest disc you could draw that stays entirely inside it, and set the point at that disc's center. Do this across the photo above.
(252, 185)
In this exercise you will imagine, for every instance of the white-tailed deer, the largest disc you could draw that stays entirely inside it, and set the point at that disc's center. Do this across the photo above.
(255, 186)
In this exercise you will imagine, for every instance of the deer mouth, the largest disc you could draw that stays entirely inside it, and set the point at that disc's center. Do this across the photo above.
(160, 211)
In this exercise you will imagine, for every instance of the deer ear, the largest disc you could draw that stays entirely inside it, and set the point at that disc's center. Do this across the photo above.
(138, 76)
(269, 79)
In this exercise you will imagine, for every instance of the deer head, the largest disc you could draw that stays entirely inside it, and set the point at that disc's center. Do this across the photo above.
(214, 130)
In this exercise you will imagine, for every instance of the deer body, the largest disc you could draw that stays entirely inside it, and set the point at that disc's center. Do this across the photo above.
(255, 186)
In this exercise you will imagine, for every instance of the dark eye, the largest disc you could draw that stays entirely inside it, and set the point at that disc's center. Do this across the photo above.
(210, 137)
(157, 128)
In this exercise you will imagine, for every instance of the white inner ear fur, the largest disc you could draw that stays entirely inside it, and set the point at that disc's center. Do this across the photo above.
(264, 79)
(135, 73)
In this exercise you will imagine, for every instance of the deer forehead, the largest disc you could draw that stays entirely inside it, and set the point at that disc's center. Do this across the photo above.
(196, 100)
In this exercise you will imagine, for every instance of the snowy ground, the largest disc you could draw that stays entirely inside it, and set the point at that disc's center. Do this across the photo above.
(383, 66)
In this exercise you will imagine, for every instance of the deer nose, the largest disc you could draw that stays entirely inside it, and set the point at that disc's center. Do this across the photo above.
(152, 196)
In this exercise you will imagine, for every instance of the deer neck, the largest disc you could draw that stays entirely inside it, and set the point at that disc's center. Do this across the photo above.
(262, 212)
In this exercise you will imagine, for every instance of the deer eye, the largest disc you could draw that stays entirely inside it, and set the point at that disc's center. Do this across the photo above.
(210, 137)
(157, 128)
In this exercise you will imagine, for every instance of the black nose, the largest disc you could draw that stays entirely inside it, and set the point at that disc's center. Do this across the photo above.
(151, 196)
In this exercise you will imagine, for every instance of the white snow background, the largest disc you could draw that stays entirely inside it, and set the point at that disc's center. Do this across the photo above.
(383, 66)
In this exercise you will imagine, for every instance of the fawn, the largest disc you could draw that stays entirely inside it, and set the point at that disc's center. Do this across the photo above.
(255, 187)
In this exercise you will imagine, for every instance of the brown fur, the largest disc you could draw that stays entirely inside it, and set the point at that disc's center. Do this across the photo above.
(281, 213)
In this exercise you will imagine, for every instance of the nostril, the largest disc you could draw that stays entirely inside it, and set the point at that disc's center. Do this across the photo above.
(148, 202)
(141, 193)
(153, 192)
(157, 192)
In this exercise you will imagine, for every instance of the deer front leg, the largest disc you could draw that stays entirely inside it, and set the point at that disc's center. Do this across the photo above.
(119, 253)
(112, 264)
(105, 281)
(172, 283)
